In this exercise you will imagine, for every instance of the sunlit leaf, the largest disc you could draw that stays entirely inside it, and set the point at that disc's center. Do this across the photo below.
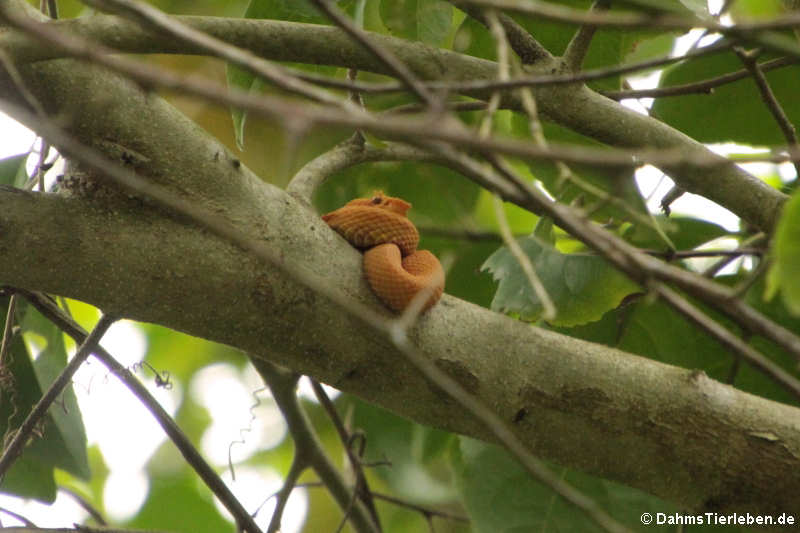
(785, 274)
(428, 21)
(12, 170)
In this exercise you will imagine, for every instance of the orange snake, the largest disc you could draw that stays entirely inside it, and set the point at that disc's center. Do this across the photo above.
(393, 266)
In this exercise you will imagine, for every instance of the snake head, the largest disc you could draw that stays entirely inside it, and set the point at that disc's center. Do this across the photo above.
(380, 201)
(378, 219)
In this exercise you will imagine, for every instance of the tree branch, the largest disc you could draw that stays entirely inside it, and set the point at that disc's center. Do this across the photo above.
(282, 383)
(573, 106)
(224, 287)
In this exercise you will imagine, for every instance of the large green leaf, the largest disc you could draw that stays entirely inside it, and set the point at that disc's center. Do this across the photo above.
(31, 476)
(68, 443)
(734, 111)
(582, 286)
(12, 170)
(438, 195)
(501, 497)
(412, 449)
(428, 21)
(785, 273)
(655, 330)
(61, 442)
(239, 78)
(596, 187)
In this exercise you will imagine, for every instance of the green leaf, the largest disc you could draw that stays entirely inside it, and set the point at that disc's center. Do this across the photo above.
(501, 497)
(12, 170)
(750, 9)
(239, 78)
(583, 287)
(655, 330)
(785, 273)
(428, 21)
(438, 195)
(410, 447)
(605, 182)
(734, 111)
(607, 44)
(31, 476)
(69, 440)
(641, 48)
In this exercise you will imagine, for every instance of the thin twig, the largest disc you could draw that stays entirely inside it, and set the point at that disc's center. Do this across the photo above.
(503, 73)
(563, 13)
(529, 50)
(687, 254)
(754, 240)
(426, 511)
(578, 46)
(85, 505)
(549, 309)
(643, 269)
(749, 59)
(17, 516)
(463, 234)
(728, 339)
(397, 67)
(393, 127)
(283, 382)
(8, 333)
(23, 433)
(704, 86)
(209, 476)
(564, 79)
(362, 487)
(299, 464)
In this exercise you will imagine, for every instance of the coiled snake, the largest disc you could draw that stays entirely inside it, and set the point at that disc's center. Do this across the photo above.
(393, 266)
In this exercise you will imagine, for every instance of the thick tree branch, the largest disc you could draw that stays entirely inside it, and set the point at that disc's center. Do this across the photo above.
(549, 383)
(573, 106)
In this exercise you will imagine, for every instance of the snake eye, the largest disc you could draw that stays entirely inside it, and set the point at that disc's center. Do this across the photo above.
(376, 200)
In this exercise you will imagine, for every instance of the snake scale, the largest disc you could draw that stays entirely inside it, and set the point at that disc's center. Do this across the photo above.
(395, 270)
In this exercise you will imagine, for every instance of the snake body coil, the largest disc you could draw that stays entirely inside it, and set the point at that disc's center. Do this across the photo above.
(393, 266)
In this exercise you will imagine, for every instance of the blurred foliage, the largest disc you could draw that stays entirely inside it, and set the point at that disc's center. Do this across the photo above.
(419, 464)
